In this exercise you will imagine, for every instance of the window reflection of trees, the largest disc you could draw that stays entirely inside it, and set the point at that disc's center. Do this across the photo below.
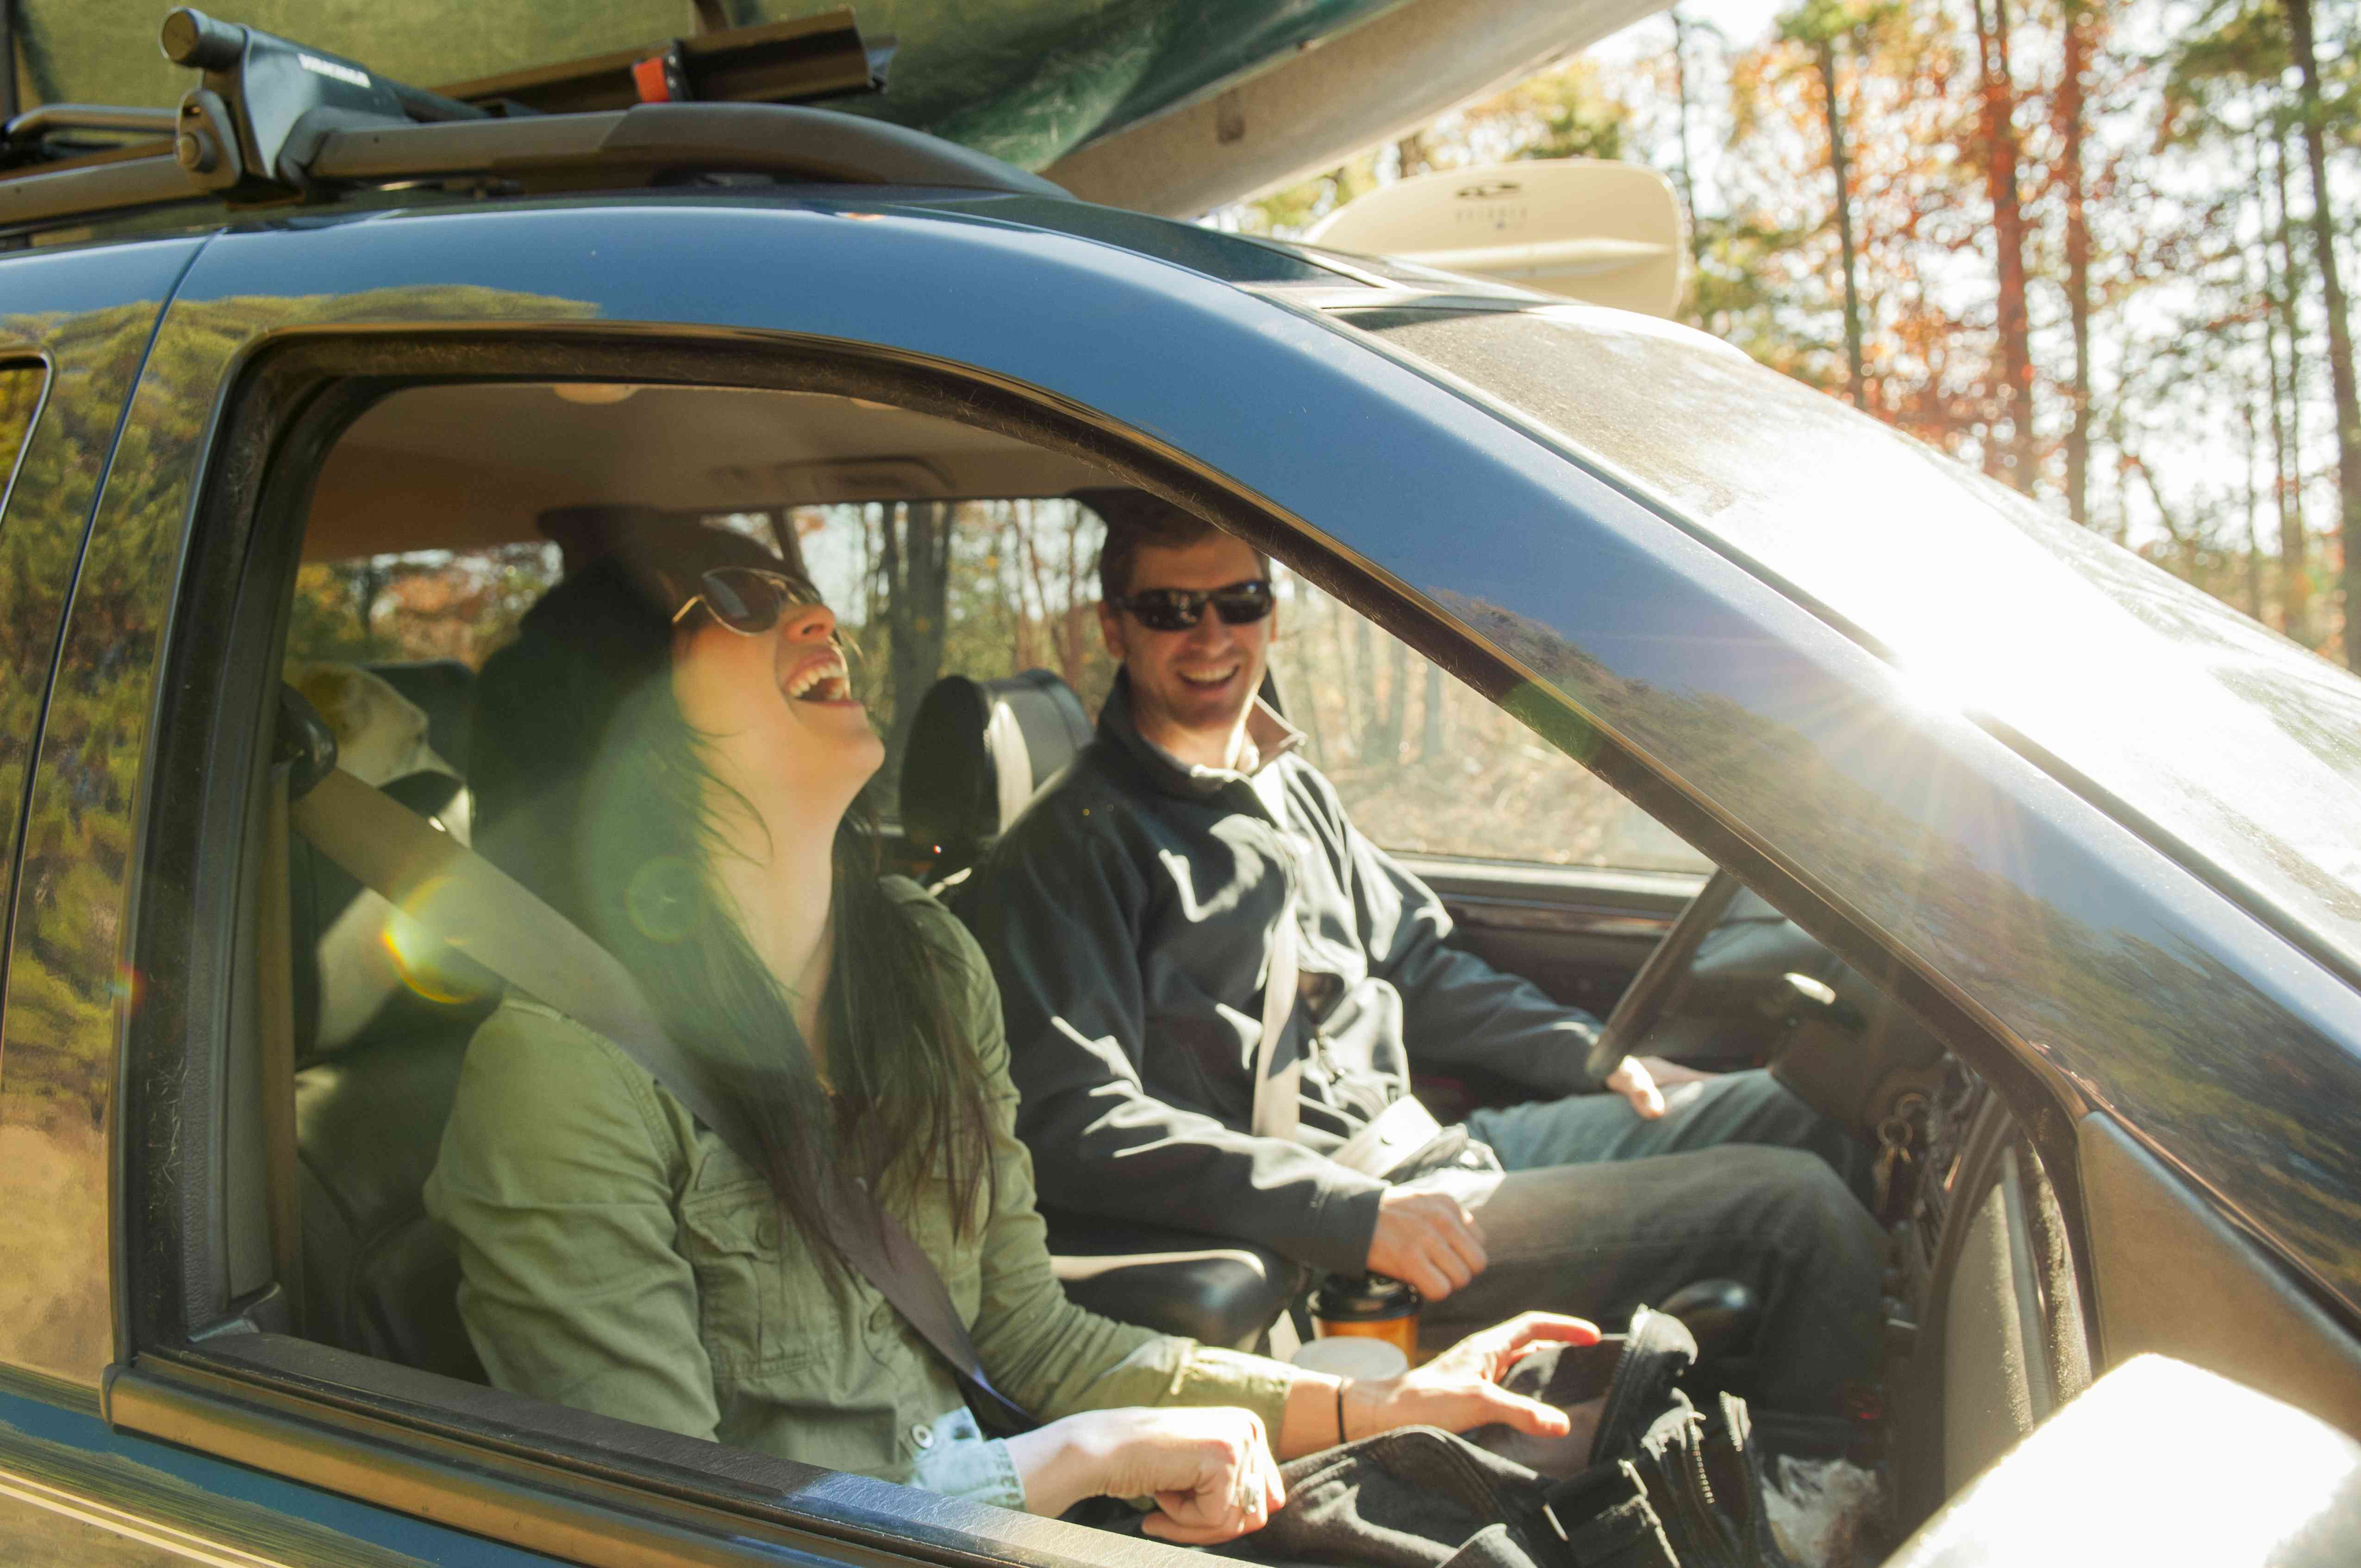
(52, 1142)
(70, 992)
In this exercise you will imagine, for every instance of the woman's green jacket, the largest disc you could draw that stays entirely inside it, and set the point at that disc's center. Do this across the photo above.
(616, 1257)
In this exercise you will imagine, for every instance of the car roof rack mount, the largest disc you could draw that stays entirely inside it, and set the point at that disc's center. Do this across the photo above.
(272, 121)
(252, 128)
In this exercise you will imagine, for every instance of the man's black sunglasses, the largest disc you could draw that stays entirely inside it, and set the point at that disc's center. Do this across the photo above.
(1179, 610)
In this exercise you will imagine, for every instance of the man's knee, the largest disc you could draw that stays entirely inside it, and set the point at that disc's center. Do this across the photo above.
(1756, 1108)
(1805, 1207)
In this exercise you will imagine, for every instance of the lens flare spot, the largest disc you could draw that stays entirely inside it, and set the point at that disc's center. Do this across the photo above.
(663, 898)
(428, 967)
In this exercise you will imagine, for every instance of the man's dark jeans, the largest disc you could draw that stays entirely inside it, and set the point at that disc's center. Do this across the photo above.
(1601, 1212)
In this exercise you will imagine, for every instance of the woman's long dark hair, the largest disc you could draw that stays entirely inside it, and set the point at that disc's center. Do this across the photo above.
(594, 791)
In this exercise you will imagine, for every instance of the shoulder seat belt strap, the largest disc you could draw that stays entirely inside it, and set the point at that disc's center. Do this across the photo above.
(485, 914)
(1277, 1089)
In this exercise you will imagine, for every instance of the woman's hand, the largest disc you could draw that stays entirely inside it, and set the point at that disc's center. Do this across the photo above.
(1460, 1389)
(1209, 1471)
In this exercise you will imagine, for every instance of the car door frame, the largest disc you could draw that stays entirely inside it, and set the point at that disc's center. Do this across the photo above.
(930, 315)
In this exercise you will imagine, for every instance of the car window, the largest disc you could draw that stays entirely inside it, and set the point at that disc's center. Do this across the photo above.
(416, 605)
(1425, 764)
(923, 589)
(436, 524)
(983, 588)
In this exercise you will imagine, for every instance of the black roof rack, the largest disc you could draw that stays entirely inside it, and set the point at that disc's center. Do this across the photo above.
(792, 62)
(273, 121)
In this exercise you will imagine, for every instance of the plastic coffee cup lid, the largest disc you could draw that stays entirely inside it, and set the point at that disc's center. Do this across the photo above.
(1352, 1356)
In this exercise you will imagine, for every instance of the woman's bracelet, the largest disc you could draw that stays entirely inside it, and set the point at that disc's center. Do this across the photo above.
(1340, 1410)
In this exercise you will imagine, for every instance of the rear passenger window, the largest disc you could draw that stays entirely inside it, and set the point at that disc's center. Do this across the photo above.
(437, 521)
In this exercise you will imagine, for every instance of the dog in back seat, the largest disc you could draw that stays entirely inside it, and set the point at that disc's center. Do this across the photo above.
(380, 738)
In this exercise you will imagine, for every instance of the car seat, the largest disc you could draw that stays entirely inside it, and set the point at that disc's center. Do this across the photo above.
(377, 1275)
(979, 751)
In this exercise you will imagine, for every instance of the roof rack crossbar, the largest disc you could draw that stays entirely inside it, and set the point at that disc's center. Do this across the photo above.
(48, 117)
(632, 147)
(656, 139)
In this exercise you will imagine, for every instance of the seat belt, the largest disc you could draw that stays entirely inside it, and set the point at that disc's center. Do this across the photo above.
(1277, 1092)
(485, 914)
(275, 1026)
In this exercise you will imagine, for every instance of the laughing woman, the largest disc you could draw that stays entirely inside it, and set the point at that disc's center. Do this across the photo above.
(671, 755)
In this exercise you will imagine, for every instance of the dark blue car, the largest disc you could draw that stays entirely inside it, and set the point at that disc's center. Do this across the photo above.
(2035, 866)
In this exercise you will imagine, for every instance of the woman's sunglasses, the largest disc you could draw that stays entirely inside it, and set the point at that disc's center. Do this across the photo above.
(1180, 610)
(748, 600)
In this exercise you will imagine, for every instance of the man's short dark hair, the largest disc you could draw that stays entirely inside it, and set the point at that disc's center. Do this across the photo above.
(1136, 521)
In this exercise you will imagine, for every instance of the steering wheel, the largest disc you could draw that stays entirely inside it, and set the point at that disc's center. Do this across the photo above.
(1662, 978)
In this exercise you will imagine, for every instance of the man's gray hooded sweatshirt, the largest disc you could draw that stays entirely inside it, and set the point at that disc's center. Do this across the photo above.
(1128, 916)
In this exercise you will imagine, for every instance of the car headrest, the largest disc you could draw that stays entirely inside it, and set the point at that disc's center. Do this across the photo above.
(405, 728)
(444, 690)
(979, 750)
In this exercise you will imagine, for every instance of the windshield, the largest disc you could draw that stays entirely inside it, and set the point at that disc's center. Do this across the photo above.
(2226, 737)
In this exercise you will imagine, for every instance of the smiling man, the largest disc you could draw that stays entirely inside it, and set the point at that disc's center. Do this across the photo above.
(1190, 888)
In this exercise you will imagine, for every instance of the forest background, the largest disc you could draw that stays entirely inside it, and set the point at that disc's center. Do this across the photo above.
(2100, 250)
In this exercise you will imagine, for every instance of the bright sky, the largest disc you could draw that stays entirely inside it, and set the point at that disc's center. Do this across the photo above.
(1741, 21)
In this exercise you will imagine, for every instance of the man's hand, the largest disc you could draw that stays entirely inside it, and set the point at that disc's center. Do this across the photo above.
(1460, 1389)
(1427, 1240)
(1644, 1080)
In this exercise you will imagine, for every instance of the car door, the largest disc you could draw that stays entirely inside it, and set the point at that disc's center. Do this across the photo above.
(1616, 637)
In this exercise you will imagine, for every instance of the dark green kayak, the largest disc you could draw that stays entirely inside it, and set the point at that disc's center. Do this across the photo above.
(1025, 80)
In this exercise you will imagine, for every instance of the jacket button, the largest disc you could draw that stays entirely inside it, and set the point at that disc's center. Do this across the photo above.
(922, 1434)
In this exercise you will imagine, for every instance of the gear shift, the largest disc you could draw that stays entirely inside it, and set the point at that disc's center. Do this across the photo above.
(1721, 1315)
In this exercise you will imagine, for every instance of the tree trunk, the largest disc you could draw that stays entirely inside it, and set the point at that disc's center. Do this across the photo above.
(1397, 701)
(1840, 166)
(1431, 739)
(1303, 698)
(1373, 748)
(2070, 94)
(2015, 460)
(2287, 430)
(1352, 678)
(2340, 332)
(2183, 540)
(2254, 522)
(918, 574)
(1681, 124)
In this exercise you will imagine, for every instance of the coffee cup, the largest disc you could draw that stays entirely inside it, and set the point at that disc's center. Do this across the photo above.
(1370, 1306)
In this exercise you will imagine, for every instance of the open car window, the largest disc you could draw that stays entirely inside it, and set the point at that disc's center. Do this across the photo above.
(1425, 765)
